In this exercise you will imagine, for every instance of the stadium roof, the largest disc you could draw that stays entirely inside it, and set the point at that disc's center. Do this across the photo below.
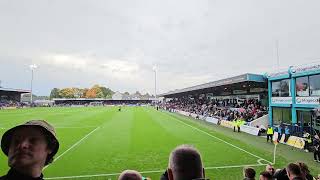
(15, 90)
(228, 81)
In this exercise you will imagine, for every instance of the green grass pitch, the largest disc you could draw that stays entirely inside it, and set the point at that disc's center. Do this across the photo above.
(100, 142)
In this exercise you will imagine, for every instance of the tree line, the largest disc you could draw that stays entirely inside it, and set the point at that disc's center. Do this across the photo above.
(95, 91)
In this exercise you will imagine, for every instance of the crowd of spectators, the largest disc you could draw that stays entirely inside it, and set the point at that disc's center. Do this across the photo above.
(185, 163)
(99, 103)
(293, 171)
(10, 103)
(227, 109)
(7, 104)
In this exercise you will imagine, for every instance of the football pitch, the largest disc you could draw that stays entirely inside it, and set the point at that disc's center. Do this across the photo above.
(100, 142)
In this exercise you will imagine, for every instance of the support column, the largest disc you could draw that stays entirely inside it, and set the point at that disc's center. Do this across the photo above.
(293, 95)
(270, 107)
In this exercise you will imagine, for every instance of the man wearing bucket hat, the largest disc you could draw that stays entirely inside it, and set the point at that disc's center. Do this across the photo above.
(29, 148)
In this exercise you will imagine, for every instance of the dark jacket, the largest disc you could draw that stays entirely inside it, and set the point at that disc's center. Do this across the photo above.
(281, 174)
(15, 175)
(298, 178)
(316, 144)
(164, 176)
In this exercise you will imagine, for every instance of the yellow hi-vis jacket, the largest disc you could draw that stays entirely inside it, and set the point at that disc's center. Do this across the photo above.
(308, 138)
(270, 130)
(239, 122)
(234, 123)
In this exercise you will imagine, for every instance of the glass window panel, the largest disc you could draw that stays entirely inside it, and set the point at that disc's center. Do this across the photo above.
(281, 88)
(286, 116)
(304, 119)
(302, 86)
(285, 88)
(281, 115)
(315, 85)
(276, 88)
(276, 114)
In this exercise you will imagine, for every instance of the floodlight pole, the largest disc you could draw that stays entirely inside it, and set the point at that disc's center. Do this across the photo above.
(278, 59)
(32, 67)
(155, 83)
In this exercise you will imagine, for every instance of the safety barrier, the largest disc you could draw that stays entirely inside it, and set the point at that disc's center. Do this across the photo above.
(294, 141)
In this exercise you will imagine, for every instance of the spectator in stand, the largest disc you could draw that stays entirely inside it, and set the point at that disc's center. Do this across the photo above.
(281, 174)
(4, 103)
(249, 173)
(294, 172)
(265, 175)
(185, 164)
(130, 175)
(270, 169)
(250, 109)
(305, 171)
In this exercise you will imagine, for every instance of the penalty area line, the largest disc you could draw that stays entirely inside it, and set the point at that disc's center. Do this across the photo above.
(74, 127)
(149, 172)
(74, 145)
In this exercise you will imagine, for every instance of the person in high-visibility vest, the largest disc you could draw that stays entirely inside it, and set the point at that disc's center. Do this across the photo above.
(269, 133)
(307, 141)
(239, 123)
(234, 123)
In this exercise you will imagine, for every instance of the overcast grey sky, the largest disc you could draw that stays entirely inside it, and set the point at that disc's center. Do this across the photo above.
(115, 43)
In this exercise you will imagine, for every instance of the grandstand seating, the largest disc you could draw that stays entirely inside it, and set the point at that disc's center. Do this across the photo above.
(227, 110)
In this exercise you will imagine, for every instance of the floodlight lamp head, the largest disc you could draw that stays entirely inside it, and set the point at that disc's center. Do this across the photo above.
(154, 68)
(33, 66)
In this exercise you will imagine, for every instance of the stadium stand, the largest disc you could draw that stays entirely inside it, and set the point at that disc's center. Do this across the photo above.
(84, 102)
(10, 98)
(224, 109)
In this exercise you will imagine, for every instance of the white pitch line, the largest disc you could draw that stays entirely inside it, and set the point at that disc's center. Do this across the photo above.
(259, 161)
(148, 172)
(236, 166)
(100, 175)
(73, 127)
(74, 145)
(222, 140)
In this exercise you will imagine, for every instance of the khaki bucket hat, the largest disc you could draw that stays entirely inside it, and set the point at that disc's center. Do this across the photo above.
(48, 129)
